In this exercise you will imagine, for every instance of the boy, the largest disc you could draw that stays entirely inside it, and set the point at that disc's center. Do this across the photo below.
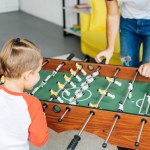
(21, 114)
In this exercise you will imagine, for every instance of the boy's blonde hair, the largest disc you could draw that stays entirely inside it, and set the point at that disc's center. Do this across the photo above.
(18, 56)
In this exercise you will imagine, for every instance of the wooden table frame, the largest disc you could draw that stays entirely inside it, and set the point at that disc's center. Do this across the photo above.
(127, 127)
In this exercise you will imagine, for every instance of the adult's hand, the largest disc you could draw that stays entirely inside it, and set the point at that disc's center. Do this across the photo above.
(107, 54)
(144, 70)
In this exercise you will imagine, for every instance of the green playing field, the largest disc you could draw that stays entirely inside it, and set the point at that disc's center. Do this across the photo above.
(136, 104)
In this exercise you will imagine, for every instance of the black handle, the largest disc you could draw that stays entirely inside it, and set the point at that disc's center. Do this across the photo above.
(44, 106)
(137, 144)
(86, 60)
(59, 119)
(0, 79)
(104, 145)
(45, 62)
(74, 142)
(70, 56)
(103, 61)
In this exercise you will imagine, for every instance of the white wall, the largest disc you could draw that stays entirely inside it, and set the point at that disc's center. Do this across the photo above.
(50, 10)
(9, 5)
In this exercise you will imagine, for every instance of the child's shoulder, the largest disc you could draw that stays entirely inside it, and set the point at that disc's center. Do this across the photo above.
(1, 86)
(30, 99)
(34, 105)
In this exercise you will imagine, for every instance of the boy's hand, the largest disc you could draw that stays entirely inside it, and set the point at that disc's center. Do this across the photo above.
(107, 54)
(144, 70)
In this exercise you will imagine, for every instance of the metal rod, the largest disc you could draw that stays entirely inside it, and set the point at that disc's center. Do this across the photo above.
(140, 133)
(143, 120)
(147, 108)
(64, 114)
(125, 98)
(47, 78)
(104, 145)
(45, 63)
(127, 94)
(102, 96)
(78, 15)
(91, 114)
(135, 77)
(64, 17)
(59, 90)
(74, 142)
(75, 98)
(115, 74)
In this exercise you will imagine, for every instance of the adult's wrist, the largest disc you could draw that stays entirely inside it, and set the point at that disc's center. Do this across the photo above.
(110, 50)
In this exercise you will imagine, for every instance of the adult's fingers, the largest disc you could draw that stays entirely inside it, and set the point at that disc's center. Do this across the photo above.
(99, 57)
(140, 69)
(144, 70)
(107, 60)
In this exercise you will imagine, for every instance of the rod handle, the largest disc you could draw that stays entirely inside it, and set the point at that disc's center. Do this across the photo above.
(137, 144)
(104, 145)
(44, 106)
(70, 56)
(74, 142)
(103, 61)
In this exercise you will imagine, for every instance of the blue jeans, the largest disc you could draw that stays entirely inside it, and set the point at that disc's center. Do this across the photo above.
(133, 33)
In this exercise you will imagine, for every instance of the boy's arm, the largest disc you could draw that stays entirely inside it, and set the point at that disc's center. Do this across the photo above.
(112, 28)
(38, 131)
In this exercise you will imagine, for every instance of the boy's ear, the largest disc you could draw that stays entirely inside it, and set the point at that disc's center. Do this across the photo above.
(27, 74)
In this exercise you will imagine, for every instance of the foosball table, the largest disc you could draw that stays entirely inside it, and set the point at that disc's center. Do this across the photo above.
(109, 101)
